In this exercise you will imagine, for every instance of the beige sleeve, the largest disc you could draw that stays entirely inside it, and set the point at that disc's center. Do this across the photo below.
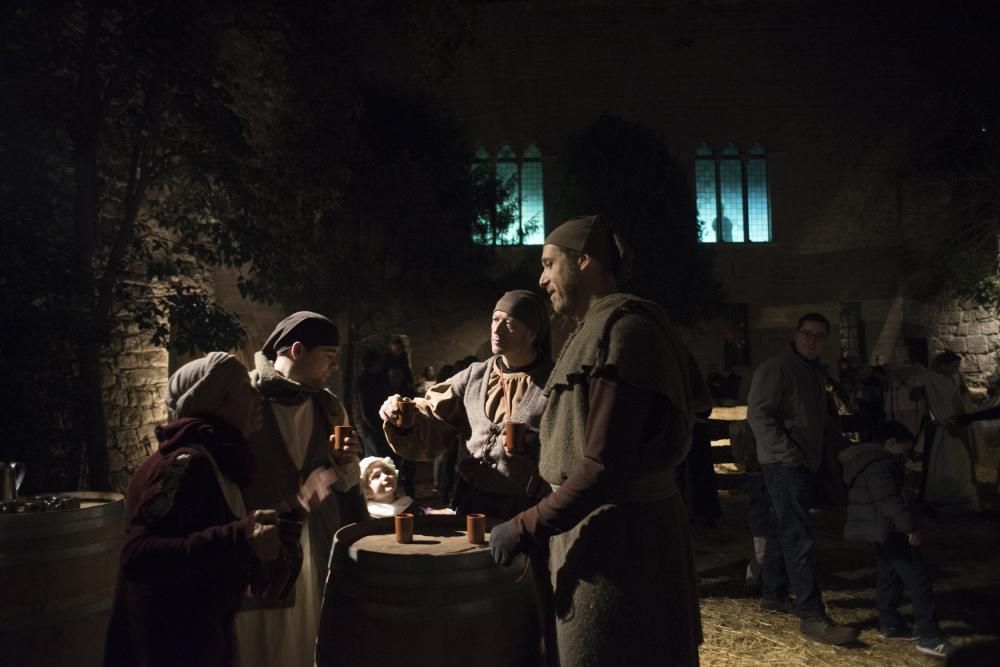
(439, 418)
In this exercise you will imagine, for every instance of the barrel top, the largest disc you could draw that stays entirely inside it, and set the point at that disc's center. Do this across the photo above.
(93, 505)
(432, 536)
(430, 545)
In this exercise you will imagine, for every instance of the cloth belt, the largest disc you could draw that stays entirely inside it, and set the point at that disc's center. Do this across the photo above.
(657, 485)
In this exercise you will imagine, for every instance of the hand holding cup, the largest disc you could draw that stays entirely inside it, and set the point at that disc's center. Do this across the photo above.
(345, 444)
(406, 411)
(388, 410)
(265, 539)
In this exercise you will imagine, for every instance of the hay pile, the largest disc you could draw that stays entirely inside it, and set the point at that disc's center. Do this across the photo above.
(962, 556)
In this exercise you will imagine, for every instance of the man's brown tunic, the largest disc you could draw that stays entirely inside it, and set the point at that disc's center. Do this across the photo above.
(622, 399)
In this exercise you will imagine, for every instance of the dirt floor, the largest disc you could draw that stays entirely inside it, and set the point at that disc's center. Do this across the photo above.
(963, 554)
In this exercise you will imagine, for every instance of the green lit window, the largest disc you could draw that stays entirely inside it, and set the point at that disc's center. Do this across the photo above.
(708, 199)
(758, 205)
(532, 202)
(519, 197)
(731, 192)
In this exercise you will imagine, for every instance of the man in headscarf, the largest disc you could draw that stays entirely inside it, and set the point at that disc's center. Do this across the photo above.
(300, 472)
(190, 547)
(621, 404)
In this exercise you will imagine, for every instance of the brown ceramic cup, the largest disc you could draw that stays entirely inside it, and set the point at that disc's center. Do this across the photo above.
(341, 434)
(513, 436)
(404, 528)
(406, 411)
(475, 528)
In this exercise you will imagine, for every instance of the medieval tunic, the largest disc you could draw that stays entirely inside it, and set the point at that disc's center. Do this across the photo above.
(622, 398)
(474, 403)
(187, 555)
(294, 441)
(950, 476)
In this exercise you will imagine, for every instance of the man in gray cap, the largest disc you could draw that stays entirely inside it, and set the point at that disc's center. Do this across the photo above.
(476, 402)
(621, 404)
(495, 477)
(300, 472)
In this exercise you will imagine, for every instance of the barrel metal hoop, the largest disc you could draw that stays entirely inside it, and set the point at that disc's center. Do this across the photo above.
(61, 553)
(12, 533)
(53, 613)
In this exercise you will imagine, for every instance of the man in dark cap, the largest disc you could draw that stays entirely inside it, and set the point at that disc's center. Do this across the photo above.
(299, 471)
(621, 403)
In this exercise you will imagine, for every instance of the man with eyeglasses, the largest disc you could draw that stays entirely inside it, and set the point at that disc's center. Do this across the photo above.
(787, 410)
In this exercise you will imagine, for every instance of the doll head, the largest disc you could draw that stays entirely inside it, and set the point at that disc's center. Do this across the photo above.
(378, 479)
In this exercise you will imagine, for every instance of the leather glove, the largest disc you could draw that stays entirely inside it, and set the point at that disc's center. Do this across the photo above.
(506, 543)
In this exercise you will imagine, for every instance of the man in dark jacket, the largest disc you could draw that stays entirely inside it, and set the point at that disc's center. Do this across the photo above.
(787, 410)
(878, 513)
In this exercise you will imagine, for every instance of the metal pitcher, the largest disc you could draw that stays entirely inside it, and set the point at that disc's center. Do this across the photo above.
(11, 476)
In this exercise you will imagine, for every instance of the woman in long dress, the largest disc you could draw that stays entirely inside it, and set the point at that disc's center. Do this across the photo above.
(949, 475)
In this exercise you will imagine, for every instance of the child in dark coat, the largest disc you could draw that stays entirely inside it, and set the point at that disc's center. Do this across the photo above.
(879, 513)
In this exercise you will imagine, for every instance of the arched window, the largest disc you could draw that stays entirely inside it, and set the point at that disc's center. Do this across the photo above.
(532, 200)
(758, 204)
(729, 225)
(707, 193)
(731, 193)
(519, 180)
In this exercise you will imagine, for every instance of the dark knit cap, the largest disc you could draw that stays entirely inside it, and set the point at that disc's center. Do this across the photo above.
(525, 306)
(310, 329)
(590, 235)
(200, 387)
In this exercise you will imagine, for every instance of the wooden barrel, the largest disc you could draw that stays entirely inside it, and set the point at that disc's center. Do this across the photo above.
(437, 601)
(58, 572)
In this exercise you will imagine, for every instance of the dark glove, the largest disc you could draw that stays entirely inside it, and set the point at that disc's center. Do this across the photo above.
(506, 542)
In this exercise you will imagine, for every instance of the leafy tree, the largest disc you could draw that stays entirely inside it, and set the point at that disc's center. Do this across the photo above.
(624, 170)
(112, 104)
(146, 141)
(395, 239)
(953, 122)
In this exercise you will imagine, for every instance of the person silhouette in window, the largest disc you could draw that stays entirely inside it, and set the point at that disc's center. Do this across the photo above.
(723, 226)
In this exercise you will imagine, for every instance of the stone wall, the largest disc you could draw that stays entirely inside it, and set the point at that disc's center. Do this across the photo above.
(135, 379)
(971, 331)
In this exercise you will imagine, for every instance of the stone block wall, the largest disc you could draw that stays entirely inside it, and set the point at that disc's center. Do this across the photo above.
(135, 379)
(969, 330)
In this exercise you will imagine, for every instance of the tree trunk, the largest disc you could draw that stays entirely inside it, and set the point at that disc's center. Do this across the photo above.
(347, 370)
(95, 427)
(85, 131)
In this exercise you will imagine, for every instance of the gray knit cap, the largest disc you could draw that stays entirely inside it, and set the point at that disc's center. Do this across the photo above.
(200, 387)
(526, 306)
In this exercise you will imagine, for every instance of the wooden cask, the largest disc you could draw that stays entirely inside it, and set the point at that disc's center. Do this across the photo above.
(58, 571)
(437, 601)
